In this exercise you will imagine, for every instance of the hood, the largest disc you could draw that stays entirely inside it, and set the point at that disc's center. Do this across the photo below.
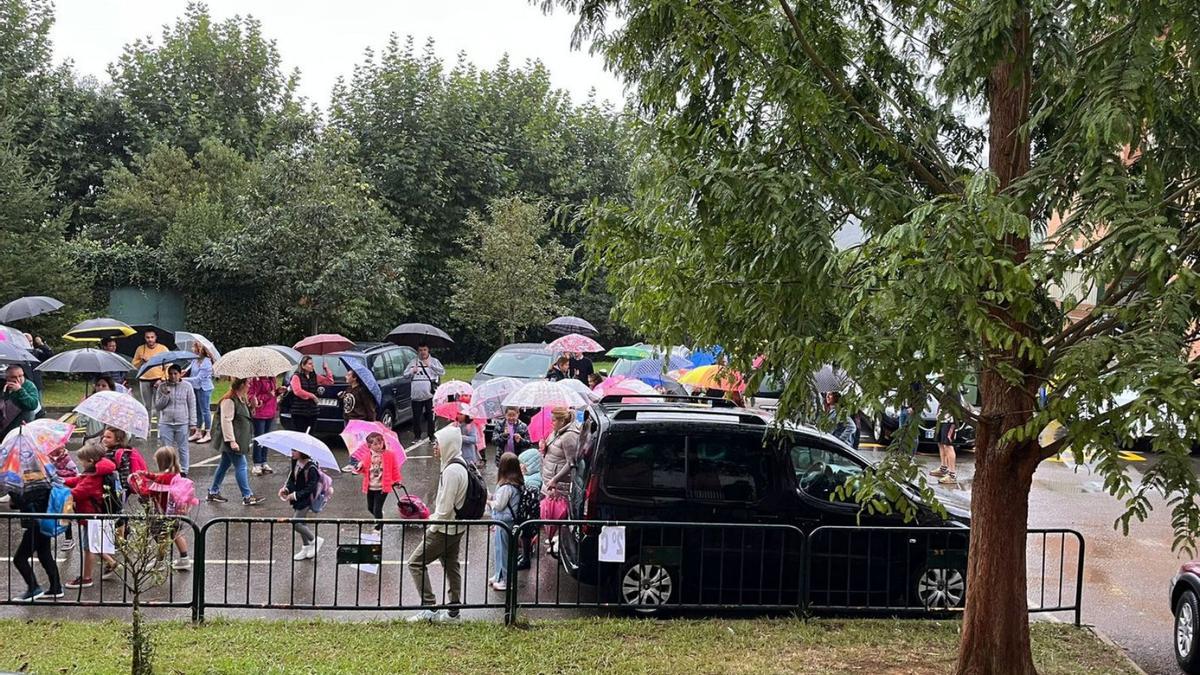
(105, 466)
(449, 440)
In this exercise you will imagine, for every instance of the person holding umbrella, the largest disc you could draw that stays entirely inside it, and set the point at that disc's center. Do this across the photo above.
(34, 497)
(201, 378)
(426, 371)
(233, 435)
(304, 388)
(109, 344)
(301, 487)
(148, 380)
(358, 403)
(263, 408)
(42, 351)
(20, 401)
(175, 401)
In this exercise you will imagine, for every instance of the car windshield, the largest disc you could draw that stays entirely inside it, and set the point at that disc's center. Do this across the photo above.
(335, 364)
(820, 471)
(517, 364)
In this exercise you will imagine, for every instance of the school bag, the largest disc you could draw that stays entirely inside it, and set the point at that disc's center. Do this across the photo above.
(324, 492)
(181, 496)
(52, 527)
(114, 494)
(530, 505)
(410, 507)
(136, 461)
(476, 497)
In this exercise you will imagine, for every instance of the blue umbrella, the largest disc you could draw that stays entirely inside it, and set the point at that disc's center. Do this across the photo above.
(651, 371)
(165, 358)
(358, 364)
(706, 357)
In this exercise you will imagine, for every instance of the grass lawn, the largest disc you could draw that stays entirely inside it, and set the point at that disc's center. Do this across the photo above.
(581, 645)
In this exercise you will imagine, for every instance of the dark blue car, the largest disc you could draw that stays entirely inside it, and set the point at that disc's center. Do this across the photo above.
(387, 363)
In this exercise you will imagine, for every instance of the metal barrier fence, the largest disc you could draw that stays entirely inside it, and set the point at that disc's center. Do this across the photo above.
(260, 564)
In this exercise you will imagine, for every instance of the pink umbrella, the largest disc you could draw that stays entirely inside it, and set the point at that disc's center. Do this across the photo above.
(574, 342)
(541, 425)
(631, 388)
(355, 435)
(608, 383)
(451, 410)
(449, 388)
(325, 343)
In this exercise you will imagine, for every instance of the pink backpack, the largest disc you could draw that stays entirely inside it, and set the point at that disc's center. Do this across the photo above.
(181, 496)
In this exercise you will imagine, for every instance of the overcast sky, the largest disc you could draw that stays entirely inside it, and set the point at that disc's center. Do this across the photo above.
(325, 39)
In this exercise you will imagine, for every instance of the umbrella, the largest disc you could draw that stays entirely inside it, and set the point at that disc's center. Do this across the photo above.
(47, 434)
(129, 344)
(14, 337)
(579, 388)
(541, 425)
(541, 393)
(714, 377)
(185, 340)
(325, 343)
(574, 342)
(653, 371)
(21, 462)
(86, 360)
(355, 436)
(95, 329)
(707, 357)
(10, 353)
(288, 353)
(451, 411)
(485, 402)
(120, 411)
(634, 352)
(23, 308)
(572, 324)
(449, 388)
(286, 441)
(250, 362)
(415, 334)
(165, 358)
(359, 365)
(829, 378)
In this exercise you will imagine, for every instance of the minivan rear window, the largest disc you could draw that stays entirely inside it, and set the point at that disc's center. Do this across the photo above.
(709, 466)
(727, 467)
(647, 465)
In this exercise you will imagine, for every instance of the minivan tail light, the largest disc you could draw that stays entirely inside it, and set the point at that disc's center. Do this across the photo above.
(589, 494)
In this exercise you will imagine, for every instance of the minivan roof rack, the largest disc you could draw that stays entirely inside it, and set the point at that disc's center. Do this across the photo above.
(680, 398)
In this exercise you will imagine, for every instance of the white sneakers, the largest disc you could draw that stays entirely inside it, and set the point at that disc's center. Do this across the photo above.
(430, 616)
(309, 551)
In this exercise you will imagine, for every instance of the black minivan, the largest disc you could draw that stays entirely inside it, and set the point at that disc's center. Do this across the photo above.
(707, 463)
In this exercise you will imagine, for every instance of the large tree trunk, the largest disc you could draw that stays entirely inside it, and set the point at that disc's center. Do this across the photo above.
(995, 636)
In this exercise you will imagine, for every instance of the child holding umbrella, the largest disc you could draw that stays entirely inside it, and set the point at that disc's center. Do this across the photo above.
(380, 472)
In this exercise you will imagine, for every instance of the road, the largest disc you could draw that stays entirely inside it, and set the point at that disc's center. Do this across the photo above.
(1125, 578)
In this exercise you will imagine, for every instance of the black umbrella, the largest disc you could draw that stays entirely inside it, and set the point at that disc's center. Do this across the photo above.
(414, 334)
(572, 324)
(87, 360)
(23, 308)
(96, 329)
(128, 345)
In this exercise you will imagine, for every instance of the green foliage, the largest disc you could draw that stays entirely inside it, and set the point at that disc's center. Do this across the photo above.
(506, 282)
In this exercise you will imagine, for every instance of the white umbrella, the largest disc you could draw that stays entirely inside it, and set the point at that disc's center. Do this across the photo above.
(543, 394)
(485, 402)
(185, 340)
(120, 411)
(285, 442)
(580, 388)
(250, 362)
(452, 388)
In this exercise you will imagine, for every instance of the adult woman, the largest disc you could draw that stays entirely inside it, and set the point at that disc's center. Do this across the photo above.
(35, 499)
(558, 461)
(561, 369)
(263, 408)
(92, 428)
(232, 434)
(304, 385)
(358, 403)
(200, 376)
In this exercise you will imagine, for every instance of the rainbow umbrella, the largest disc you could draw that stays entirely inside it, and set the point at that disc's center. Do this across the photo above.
(714, 377)
(355, 436)
(22, 463)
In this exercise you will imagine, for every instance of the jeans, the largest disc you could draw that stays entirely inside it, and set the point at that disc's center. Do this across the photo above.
(443, 547)
(906, 416)
(306, 535)
(500, 543)
(34, 541)
(238, 460)
(204, 409)
(176, 436)
(422, 412)
(260, 452)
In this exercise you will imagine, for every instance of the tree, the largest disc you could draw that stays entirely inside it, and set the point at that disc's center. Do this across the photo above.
(506, 282)
(771, 125)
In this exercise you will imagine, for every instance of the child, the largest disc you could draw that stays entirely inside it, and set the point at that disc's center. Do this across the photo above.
(66, 468)
(156, 487)
(531, 466)
(88, 490)
(512, 435)
(301, 487)
(504, 503)
(470, 448)
(380, 472)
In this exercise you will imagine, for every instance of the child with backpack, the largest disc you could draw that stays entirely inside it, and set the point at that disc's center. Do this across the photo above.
(95, 490)
(380, 472)
(302, 490)
(171, 495)
(510, 482)
(66, 468)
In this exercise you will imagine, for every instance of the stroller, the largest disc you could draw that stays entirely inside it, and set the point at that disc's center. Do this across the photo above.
(410, 507)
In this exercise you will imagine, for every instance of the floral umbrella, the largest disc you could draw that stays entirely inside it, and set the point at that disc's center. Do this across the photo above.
(574, 342)
(456, 388)
(120, 411)
(541, 393)
(46, 434)
(250, 362)
(355, 436)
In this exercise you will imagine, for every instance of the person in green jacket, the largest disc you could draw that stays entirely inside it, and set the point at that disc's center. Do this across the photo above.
(232, 433)
(20, 402)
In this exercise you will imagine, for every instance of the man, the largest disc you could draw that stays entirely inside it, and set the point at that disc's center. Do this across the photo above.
(426, 372)
(20, 401)
(42, 351)
(581, 367)
(149, 379)
(443, 542)
(175, 401)
(110, 345)
(946, 432)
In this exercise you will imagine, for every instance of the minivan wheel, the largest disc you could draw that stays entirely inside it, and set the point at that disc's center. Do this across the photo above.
(389, 418)
(1186, 615)
(645, 587)
(941, 588)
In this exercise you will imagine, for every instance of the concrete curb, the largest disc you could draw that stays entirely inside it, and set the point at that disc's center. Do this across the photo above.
(1108, 641)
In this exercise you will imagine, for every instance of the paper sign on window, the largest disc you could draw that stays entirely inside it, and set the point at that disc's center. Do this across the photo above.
(612, 544)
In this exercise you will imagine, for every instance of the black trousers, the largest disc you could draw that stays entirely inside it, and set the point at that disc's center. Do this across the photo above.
(375, 500)
(35, 541)
(423, 418)
(303, 423)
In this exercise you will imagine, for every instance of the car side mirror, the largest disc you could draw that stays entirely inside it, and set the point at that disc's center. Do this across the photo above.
(478, 367)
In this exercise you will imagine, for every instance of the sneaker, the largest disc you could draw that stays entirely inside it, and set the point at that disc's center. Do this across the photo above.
(939, 472)
(110, 572)
(253, 500)
(444, 616)
(350, 468)
(30, 595)
(425, 615)
(4, 499)
(196, 435)
(207, 438)
(182, 563)
(266, 468)
(499, 586)
(67, 545)
(316, 549)
(215, 497)
(304, 553)
(54, 593)
(257, 470)
(948, 479)
(79, 582)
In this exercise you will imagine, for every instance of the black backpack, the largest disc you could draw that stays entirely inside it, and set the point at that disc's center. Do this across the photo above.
(114, 494)
(476, 497)
(530, 505)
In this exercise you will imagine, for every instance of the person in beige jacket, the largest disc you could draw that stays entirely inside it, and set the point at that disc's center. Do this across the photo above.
(443, 542)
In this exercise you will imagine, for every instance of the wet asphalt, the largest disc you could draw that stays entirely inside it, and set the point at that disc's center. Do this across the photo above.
(1125, 579)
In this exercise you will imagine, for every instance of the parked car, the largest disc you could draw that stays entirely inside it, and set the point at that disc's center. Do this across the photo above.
(881, 429)
(682, 462)
(525, 361)
(1185, 603)
(387, 363)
